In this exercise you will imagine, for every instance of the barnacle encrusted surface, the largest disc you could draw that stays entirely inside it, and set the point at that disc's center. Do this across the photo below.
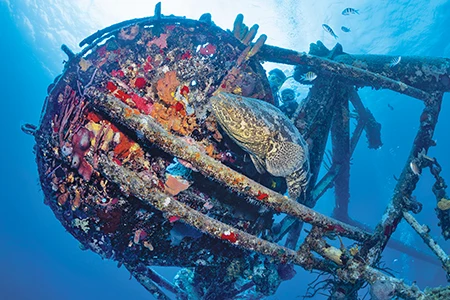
(165, 69)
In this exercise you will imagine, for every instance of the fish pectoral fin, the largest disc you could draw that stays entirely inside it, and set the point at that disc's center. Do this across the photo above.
(258, 164)
(284, 158)
(297, 182)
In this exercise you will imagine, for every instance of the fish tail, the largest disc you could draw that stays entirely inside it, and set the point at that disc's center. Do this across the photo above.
(357, 11)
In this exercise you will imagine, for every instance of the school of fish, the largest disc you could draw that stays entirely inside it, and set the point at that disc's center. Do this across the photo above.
(346, 12)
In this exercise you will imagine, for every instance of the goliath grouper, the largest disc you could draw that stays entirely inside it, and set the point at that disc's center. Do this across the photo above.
(267, 135)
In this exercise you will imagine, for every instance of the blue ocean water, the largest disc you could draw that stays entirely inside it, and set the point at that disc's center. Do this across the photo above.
(40, 260)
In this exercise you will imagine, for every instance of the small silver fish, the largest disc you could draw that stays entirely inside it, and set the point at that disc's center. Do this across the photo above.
(310, 76)
(414, 168)
(350, 11)
(345, 29)
(395, 61)
(329, 30)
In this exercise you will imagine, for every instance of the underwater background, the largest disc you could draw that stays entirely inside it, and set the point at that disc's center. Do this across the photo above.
(40, 260)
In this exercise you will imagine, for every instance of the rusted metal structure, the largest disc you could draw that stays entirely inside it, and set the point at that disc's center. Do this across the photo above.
(134, 165)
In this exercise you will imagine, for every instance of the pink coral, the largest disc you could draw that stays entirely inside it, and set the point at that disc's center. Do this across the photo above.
(142, 104)
(161, 41)
(140, 82)
(81, 141)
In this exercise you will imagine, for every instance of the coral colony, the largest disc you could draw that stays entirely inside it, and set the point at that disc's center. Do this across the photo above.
(136, 164)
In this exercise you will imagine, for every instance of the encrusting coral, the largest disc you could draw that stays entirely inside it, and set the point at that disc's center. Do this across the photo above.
(136, 101)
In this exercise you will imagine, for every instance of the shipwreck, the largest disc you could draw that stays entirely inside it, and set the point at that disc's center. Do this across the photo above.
(135, 165)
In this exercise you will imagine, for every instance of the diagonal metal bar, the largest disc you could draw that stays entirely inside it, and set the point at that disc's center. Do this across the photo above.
(131, 184)
(147, 283)
(423, 231)
(354, 269)
(397, 245)
(406, 184)
(151, 133)
(350, 73)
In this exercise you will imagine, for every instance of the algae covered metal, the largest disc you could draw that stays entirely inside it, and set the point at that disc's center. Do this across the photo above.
(165, 69)
(160, 145)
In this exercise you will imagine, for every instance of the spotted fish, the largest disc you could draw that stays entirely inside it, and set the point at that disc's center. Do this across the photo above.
(267, 135)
